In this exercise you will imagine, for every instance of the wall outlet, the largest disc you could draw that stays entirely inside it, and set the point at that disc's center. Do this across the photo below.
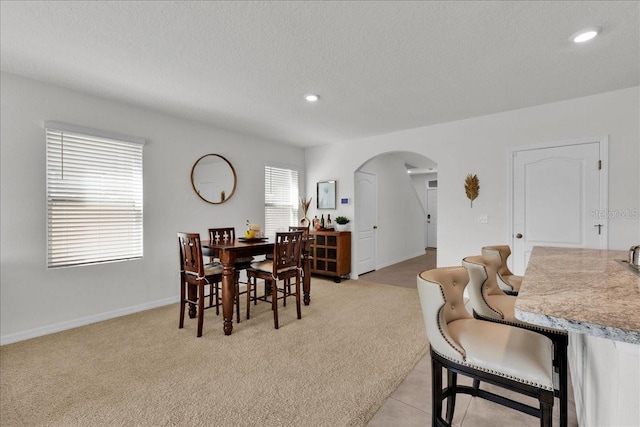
(483, 219)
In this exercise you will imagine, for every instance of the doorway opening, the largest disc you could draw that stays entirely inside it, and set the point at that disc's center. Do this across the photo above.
(395, 209)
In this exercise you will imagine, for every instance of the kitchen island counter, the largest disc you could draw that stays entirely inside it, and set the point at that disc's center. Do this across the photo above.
(596, 298)
(587, 291)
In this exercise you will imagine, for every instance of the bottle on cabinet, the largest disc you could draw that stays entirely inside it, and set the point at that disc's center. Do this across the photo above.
(328, 224)
(322, 221)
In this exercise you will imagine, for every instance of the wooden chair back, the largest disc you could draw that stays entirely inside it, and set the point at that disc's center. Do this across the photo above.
(287, 252)
(222, 235)
(190, 254)
(305, 230)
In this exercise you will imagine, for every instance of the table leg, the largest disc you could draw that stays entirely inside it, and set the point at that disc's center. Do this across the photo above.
(228, 295)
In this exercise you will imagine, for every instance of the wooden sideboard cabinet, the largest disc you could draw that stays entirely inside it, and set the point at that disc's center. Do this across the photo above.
(331, 254)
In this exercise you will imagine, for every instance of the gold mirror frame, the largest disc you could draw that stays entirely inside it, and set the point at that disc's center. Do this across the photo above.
(211, 183)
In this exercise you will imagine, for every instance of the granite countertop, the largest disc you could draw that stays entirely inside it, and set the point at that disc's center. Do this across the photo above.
(587, 291)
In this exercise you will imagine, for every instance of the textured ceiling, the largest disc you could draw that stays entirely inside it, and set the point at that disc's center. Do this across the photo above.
(379, 67)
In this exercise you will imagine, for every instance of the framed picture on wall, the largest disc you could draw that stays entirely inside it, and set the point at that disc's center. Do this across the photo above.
(326, 197)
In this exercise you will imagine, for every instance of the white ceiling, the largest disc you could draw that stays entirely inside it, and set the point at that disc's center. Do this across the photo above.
(378, 66)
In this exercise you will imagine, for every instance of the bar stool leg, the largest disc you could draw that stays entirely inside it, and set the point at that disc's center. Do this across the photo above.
(436, 392)
(452, 381)
(563, 365)
(546, 410)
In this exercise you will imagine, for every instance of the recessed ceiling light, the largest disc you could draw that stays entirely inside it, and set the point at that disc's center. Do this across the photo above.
(585, 35)
(311, 97)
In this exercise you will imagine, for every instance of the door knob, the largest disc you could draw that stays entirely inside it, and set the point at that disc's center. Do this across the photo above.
(519, 236)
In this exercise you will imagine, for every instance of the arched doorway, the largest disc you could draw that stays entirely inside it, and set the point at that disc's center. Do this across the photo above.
(393, 193)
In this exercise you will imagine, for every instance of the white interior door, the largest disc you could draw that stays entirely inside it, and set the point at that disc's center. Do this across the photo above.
(432, 218)
(556, 199)
(366, 202)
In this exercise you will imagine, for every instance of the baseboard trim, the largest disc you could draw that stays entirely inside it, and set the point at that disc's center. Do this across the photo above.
(63, 326)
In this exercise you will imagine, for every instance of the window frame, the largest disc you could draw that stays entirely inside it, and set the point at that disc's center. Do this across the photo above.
(293, 203)
(95, 214)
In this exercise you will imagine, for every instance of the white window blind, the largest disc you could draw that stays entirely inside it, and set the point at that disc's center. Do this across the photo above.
(94, 196)
(281, 199)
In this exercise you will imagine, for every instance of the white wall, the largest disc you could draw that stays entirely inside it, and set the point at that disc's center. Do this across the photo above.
(480, 145)
(36, 300)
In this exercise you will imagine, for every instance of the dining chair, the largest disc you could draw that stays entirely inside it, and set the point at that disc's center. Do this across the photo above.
(490, 303)
(508, 282)
(511, 358)
(228, 235)
(285, 266)
(305, 236)
(305, 230)
(195, 276)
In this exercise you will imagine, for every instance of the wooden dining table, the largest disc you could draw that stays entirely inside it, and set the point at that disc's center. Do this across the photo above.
(229, 251)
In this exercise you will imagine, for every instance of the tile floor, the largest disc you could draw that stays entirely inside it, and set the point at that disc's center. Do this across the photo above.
(410, 405)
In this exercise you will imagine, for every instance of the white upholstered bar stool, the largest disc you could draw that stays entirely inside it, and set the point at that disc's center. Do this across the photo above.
(508, 282)
(490, 303)
(512, 358)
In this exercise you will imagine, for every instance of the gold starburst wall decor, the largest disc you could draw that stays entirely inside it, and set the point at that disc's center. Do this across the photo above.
(472, 187)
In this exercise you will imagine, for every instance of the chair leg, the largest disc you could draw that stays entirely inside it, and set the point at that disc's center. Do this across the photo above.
(237, 279)
(267, 290)
(182, 304)
(213, 289)
(546, 409)
(563, 365)
(192, 295)
(200, 306)
(436, 392)
(452, 382)
(237, 301)
(218, 289)
(249, 286)
(286, 285)
(274, 302)
(298, 298)
(269, 287)
(255, 292)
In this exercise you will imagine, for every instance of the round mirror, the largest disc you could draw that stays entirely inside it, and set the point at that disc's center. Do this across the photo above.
(213, 178)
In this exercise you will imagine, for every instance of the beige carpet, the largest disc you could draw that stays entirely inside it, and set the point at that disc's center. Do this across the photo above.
(355, 344)
(403, 273)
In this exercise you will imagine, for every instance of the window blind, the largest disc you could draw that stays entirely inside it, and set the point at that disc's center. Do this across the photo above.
(281, 199)
(94, 197)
